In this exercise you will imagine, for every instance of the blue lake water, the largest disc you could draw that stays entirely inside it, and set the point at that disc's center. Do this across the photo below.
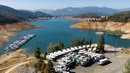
(59, 29)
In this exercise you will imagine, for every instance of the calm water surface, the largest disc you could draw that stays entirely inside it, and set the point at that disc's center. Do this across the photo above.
(58, 29)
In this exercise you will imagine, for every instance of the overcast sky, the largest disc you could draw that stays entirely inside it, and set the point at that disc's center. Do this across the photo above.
(56, 4)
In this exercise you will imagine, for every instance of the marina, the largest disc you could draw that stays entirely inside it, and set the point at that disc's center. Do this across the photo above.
(18, 43)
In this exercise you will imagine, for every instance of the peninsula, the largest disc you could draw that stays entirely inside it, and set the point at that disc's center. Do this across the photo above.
(10, 30)
(107, 26)
(117, 22)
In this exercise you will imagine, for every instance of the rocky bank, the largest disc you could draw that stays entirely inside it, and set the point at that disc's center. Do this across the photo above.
(9, 30)
(111, 26)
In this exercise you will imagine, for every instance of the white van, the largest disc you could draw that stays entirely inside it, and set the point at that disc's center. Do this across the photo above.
(103, 61)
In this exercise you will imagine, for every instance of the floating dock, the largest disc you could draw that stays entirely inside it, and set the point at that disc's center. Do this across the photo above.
(17, 44)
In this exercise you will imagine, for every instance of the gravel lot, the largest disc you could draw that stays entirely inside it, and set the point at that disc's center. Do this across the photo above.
(117, 66)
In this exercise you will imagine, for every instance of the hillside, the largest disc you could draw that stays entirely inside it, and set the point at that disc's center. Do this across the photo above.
(4, 20)
(88, 15)
(107, 26)
(120, 17)
(8, 14)
(41, 14)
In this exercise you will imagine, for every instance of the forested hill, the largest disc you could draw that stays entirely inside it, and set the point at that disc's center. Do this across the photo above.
(4, 20)
(8, 14)
(88, 15)
(120, 17)
(42, 14)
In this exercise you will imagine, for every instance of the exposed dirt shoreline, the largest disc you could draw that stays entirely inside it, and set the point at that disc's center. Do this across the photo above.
(107, 26)
(13, 59)
(9, 30)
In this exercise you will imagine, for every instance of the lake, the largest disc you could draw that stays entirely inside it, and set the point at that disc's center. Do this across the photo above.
(59, 29)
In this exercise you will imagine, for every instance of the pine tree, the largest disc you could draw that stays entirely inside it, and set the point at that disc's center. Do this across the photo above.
(101, 43)
(76, 43)
(61, 45)
(49, 68)
(72, 43)
(83, 42)
(37, 53)
(50, 48)
(89, 41)
(55, 48)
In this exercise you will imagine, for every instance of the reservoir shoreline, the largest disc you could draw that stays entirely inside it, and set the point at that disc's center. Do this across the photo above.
(106, 26)
(59, 29)
(9, 30)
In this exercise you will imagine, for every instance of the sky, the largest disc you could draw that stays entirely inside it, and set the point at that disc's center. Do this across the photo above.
(58, 4)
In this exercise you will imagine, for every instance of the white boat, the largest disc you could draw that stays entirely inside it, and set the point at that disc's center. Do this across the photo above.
(100, 33)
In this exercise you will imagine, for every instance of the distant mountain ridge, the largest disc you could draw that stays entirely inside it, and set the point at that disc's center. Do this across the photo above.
(72, 11)
(44, 10)
(125, 9)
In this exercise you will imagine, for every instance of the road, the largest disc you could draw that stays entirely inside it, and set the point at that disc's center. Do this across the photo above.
(20, 64)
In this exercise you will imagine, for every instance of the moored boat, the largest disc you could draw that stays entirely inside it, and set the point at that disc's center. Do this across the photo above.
(18, 43)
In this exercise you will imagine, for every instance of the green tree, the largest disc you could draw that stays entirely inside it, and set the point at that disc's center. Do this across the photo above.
(101, 43)
(75, 43)
(44, 55)
(37, 53)
(50, 48)
(61, 45)
(53, 48)
(38, 65)
(89, 41)
(71, 44)
(56, 48)
(49, 68)
(127, 67)
(82, 41)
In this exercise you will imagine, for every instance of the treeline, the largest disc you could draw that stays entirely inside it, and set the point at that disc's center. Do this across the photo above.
(41, 14)
(88, 15)
(56, 47)
(119, 17)
(8, 14)
(75, 43)
(60, 45)
(4, 20)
